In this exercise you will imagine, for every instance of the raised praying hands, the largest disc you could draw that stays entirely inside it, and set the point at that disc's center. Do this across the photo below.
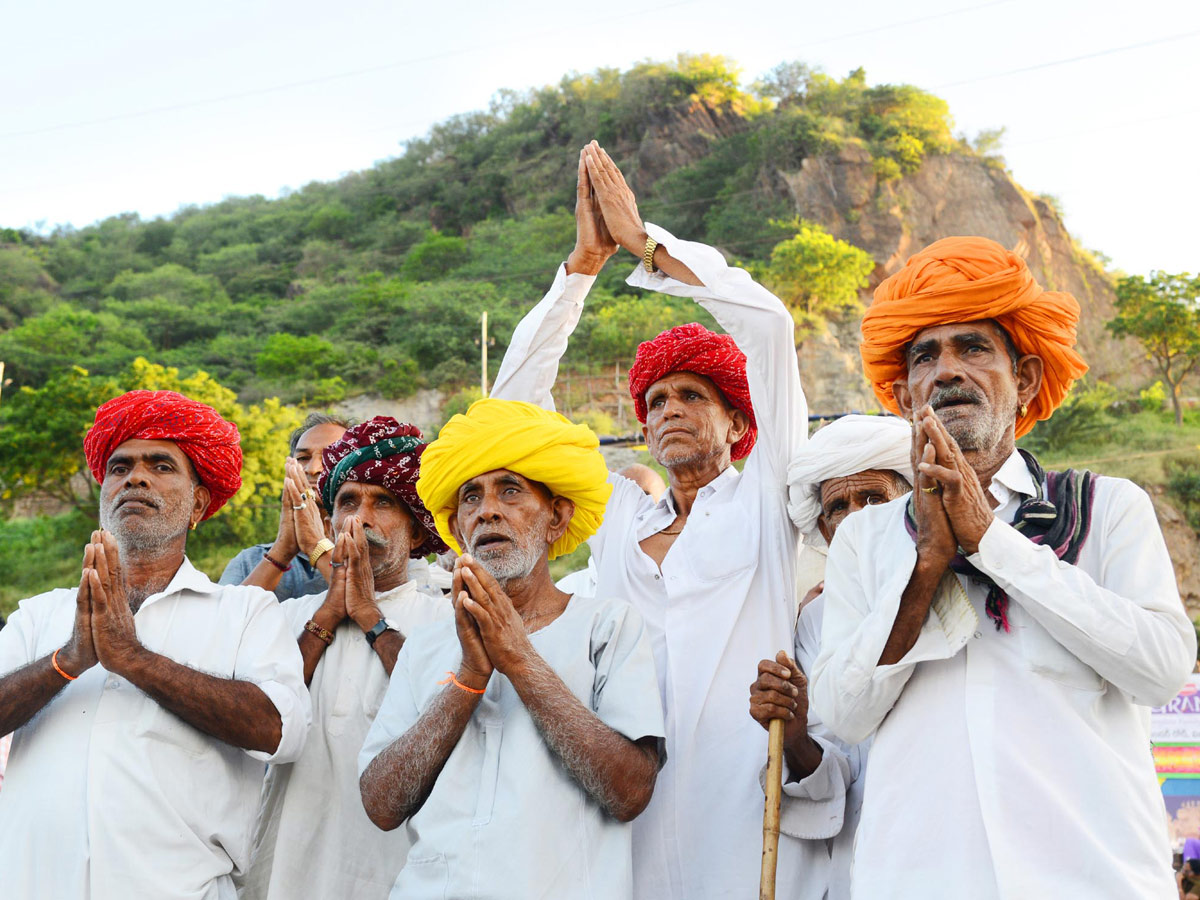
(476, 668)
(594, 246)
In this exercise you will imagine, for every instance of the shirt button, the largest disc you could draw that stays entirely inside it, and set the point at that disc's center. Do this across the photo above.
(657, 577)
(979, 634)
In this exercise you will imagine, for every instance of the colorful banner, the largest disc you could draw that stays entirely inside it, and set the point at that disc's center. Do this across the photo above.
(1175, 730)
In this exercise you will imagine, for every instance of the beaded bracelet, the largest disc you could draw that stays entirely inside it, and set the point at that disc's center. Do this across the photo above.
(276, 563)
(323, 634)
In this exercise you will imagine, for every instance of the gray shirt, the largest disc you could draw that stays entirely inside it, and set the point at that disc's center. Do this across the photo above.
(300, 580)
(504, 818)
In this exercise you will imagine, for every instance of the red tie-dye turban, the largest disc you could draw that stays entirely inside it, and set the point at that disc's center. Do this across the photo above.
(209, 441)
(693, 348)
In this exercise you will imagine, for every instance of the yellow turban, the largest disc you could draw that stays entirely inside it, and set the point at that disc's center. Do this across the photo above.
(535, 443)
(966, 279)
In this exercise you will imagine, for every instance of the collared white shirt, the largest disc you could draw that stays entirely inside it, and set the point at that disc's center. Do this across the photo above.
(721, 601)
(109, 796)
(313, 838)
(505, 820)
(1009, 765)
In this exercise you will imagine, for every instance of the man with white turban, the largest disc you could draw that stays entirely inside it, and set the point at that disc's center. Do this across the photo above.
(854, 462)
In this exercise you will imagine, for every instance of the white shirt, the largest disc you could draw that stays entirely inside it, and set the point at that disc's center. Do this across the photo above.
(721, 601)
(1020, 761)
(841, 845)
(108, 795)
(505, 821)
(313, 838)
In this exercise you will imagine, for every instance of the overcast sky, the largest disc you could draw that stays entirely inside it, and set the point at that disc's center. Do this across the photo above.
(146, 107)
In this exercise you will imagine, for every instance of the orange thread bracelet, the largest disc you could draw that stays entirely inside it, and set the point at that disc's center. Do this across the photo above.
(453, 679)
(58, 669)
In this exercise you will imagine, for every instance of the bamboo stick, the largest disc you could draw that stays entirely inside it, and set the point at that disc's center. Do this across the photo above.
(774, 790)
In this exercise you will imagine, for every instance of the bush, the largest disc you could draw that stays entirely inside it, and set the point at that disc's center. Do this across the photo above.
(1153, 398)
(1183, 485)
(1084, 413)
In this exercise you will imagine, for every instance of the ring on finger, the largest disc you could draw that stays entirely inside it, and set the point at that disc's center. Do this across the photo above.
(301, 506)
(932, 490)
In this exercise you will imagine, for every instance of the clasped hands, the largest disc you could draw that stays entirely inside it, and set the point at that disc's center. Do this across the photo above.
(104, 629)
(352, 586)
(950, 506)
(301, 525)
(490, 629)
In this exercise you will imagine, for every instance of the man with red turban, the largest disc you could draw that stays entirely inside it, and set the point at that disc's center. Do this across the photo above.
(313, 838)
(146, 701)
(1002, 629)
(711, 565)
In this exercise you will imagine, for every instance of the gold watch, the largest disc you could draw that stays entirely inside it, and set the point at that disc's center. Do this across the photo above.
(324, 545)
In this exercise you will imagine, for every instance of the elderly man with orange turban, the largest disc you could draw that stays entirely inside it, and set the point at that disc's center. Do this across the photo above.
(1003, 629)
(146, 701)
(711, 565)
(517, 741)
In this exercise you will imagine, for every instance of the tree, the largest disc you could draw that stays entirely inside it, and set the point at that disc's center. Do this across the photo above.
(1163, 313)
(816, 275)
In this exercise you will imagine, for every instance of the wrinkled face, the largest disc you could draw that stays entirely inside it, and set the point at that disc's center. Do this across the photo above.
(150, 495)
(508, 522)
(850, 493)
(390, 528)
(688, 420)
(966, 374)
(310, 446)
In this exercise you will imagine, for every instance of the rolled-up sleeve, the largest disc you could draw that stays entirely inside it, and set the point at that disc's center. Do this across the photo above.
(269, 657)
(814, 807)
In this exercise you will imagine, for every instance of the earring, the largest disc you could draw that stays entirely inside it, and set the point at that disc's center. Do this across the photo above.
(1024, 410)
(192, 527)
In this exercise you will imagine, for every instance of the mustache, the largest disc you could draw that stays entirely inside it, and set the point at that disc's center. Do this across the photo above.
(954, 393)
(140, 496)
(495, 531)
(375, 538)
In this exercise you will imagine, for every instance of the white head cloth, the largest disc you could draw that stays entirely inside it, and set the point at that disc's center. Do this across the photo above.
(845, 446)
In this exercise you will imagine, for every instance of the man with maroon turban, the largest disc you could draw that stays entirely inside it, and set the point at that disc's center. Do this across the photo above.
(1002, 629)
(711, 565)
(146, 701)
(313, 838)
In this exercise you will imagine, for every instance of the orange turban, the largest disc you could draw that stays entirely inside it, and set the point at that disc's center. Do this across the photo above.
(967, 279)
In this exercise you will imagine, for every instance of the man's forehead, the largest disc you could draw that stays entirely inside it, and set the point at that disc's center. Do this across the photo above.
(950, 330)
(364, 489)
(865, 480)
(684, 379)
(503, 476)
(319, 437)
(142, 448)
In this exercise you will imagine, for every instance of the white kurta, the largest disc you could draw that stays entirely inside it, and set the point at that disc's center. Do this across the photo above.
(841, 845)
(721, 601)
(505, 820)
(1019, 763)
(313, 838)
(108, 795)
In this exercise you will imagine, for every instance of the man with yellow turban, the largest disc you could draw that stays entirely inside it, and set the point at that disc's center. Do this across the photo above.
(517, 742)
(146, 701)
(1002, 629)
(710, 566)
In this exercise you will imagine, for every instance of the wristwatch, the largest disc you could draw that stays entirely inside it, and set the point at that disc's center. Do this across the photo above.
(324, 545)
(376, 630)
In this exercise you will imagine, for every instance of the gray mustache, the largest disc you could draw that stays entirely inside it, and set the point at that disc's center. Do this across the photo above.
(951, 393)
(374, 538)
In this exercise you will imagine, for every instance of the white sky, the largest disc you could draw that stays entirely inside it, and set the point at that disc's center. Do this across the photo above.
(141, 106)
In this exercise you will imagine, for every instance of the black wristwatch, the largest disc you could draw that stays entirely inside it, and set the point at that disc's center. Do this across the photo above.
(376, 630)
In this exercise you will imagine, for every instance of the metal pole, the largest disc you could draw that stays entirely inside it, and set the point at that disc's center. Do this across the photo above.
(483, 378)
(1, 378)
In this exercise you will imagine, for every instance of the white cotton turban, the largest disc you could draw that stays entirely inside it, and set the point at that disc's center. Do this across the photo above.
(844, 447)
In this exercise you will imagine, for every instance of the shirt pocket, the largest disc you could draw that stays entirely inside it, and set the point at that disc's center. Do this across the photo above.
(1047, 657)
(424, 876)
(162, 727)
(723, 544)
(490, 774)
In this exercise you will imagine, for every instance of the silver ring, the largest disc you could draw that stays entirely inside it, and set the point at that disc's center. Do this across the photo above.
(334, 565)
(301, 506)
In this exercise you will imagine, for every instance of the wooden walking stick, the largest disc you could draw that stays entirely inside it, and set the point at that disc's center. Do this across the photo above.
(774, 790)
